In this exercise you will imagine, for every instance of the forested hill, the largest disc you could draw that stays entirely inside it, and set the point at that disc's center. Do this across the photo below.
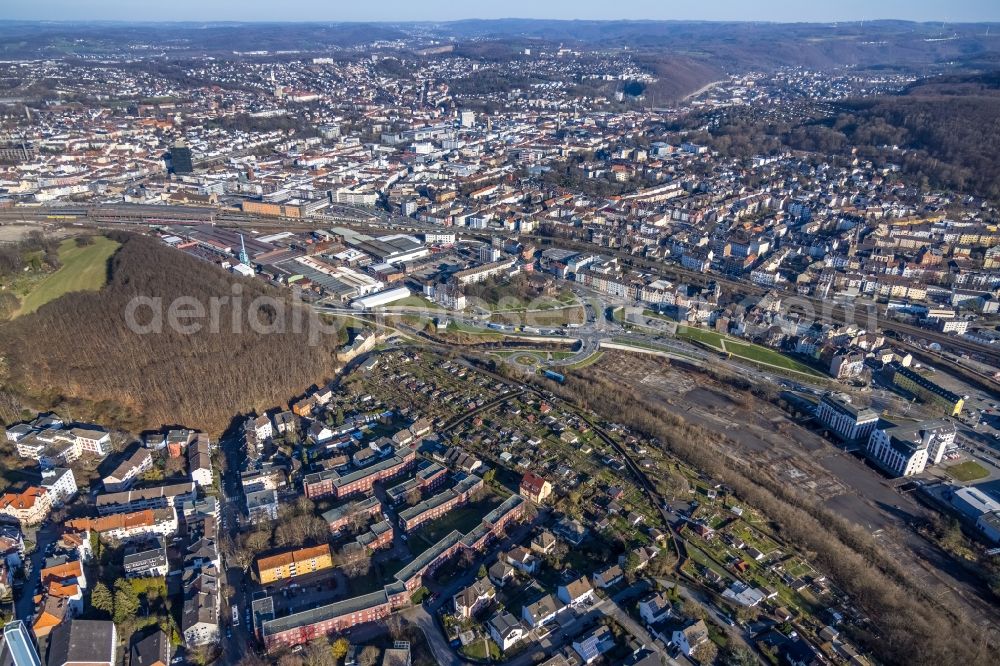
(943, 132)
(78, 355)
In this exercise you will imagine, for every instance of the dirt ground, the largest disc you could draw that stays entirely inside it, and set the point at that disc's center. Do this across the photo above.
(767, 436)
(17, 231)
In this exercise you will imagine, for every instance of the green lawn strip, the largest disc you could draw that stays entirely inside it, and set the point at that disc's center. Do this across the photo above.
(704, 336)
(969, 470)
(590, 360)
(767, 356)
(415, 301)
(463, 519)
(653, 347)
(745, 350)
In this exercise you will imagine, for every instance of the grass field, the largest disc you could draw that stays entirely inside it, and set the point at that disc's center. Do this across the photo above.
(590, 360)
(704, 336)
(83, 269)
(653, 347)
(970, 470)
(463, 519)
(416, 301)
(744, 350)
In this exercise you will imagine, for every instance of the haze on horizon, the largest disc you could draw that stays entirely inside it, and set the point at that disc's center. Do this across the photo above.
(957, 11)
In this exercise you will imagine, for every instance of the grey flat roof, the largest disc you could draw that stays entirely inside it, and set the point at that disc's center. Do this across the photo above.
(327, 612)
(428, 556)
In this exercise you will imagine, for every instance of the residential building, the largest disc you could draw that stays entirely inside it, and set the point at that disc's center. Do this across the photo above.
(501, 573)
(200, 615)
(300, 627)
(846, 363)
(263, 428)
(594, 643)
(146, 560)
(150, 649)
(339, 517)
(576, 592)
(332, 483)
(262, 505)
(543, 543)
(61, 484)
(294, 563)
(458, 458)
(541, 611)
(522, 559)
(608, 576)
(440, 504)
(534, 488)
(126, 526)
(157, 497)
(505, 630)
(572, 530)
(690, 637)
(199, 456)
(28, 507)
(654, 607)
(83, 643)
(51, 611)
(128, 471)
(474, 598)
(743, 594)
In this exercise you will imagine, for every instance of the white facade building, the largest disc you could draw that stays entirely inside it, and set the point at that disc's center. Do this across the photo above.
(852, 423)
(60, 483)
(907, 450)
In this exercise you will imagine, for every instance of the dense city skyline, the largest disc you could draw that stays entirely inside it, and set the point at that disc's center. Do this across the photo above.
(441, 10)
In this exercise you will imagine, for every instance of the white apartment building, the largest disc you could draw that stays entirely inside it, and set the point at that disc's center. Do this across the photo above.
(60, 483)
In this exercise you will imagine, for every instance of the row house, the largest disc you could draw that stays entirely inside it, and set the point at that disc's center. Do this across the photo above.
(302, 627)
(157, 497)
(340, 517)
(294, 563)
(440, 504)
(331, 483)
(125, 526)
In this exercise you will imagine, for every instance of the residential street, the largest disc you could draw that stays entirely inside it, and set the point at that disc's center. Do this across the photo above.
(25, 603)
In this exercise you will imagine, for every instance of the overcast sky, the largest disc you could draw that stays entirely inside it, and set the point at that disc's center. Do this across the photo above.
(441, 10)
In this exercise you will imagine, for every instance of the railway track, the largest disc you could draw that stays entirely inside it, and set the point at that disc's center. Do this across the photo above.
(147, 215)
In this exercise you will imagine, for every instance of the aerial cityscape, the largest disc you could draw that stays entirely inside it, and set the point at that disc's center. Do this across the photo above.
(399, 338)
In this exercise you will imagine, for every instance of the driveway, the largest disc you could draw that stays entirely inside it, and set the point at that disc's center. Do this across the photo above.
(440, 648)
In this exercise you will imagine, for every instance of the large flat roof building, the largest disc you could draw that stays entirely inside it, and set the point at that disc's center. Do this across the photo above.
(18, 649)
(851, 422)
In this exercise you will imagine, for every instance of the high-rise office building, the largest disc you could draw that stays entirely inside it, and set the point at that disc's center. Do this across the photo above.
(180, 158)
